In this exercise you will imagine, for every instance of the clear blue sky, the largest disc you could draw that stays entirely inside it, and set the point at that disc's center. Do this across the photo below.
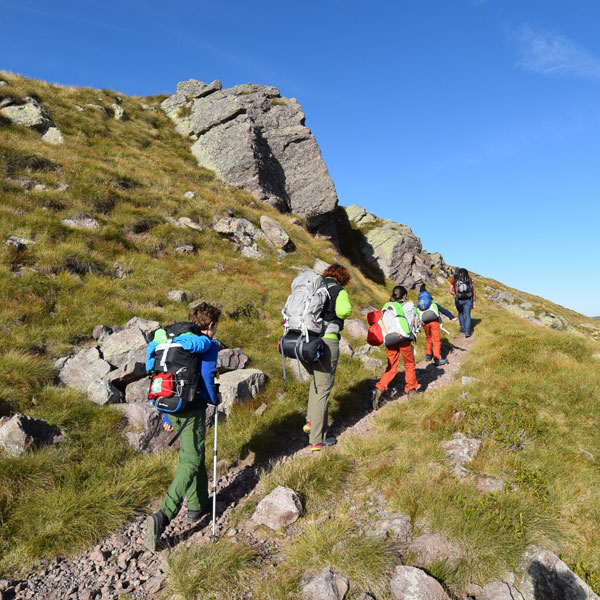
(476, 122)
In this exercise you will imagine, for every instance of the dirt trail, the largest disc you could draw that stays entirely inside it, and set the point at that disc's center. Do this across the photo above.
(121, 564)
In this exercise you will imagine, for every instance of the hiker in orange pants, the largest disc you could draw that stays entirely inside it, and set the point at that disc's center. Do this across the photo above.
(410, 371)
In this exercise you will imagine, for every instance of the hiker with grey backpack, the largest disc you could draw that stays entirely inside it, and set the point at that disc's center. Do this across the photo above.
(182, 359)
(313, 317)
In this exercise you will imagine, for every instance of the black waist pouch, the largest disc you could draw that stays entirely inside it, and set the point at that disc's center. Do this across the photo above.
(293, 344)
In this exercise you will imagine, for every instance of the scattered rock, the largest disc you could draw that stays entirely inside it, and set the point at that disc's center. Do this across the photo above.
(101, 332)
(53, 136)
(123, 346)
(552, 322)
(500, 297)
(29, 113)
(459, 417)
(397, 526)
(144, 325)
(137, 391)
(410, 583)
(105, 114)
(546, 577)
(121, 272)
(358, 215)
(280, 508)
(519, 312)
(434, 547)
(231, 359)
(356, 328)
(327, 585)
(460, 451)
(489, 485)
(177, 296)
(19, 432)
(81, 222)
(469, 380)
(251, 252)
(275, 233)
(18, 243)
(187, 222)
(240, 231)
(145, 423)
(189, 195)
(185, 249)
(345, 347)
(526, 305)
(261, 410)
(130, 371)
(237, 386)
(119, 113)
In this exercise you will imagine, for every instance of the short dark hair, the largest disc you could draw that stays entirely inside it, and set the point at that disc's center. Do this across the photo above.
(337, 272)
(398, 293)
(204, 314)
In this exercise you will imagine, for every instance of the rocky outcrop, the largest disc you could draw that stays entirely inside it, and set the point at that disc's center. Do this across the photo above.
(394, 250)
(254, 139)
(30, 113)
(240, 385)
(280, 508)
(19, 432)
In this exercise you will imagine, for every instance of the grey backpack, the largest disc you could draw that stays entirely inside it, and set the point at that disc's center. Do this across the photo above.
(303, 308)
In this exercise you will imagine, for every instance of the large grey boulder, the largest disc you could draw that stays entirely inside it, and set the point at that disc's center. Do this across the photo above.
(19, 432)
(410, 583)
(359, 216)
(137, 391)
(280, 508)
(118, 349)
(144, 423)
(256, 140)
(86, 372)
(397, 526)
(327, 585)
(53, 135)
(231, 359)
(460, 451)
(546, 577)
(132, 370)
(29, 113)
(356, 328)
(238, 386)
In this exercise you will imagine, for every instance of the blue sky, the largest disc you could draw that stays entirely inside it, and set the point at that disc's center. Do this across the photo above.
(476, 122)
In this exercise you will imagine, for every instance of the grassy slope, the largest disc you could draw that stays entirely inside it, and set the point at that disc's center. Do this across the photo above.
(535, 412)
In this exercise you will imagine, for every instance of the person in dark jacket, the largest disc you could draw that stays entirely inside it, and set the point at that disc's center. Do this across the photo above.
(463, 290)
(322, 373)
(191, 480)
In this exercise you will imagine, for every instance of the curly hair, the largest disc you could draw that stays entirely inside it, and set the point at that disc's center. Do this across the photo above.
(398, 293)
(337, 272)
(204, 314)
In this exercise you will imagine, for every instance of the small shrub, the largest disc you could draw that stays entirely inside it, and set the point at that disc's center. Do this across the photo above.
(278, 102)
(184, 111)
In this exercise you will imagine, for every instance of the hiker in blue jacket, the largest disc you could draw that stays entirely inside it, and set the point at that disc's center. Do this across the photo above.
(191, 480)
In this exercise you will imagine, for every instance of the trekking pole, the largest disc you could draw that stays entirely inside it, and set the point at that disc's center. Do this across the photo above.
(213, 537)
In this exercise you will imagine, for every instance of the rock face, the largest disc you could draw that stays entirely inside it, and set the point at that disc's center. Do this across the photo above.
(256, 140)
(19, 432)
(395, 250)
(547, 578)
(280, 508)
(327, 585)
(410, 583)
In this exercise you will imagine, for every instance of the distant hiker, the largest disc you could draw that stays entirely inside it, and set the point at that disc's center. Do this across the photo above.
(463, 290)
(429, 313)
(194, 339)
(407, 327)
(314, 315)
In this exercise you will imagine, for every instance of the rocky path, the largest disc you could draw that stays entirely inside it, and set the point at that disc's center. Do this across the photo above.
(120, 564)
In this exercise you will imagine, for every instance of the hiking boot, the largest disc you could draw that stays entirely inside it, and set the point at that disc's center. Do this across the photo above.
(306, 427)
(193, 516)
(328, 442)
(376, 397)
(156, 523)
(428, 357)
(413, 392)
(440, 361)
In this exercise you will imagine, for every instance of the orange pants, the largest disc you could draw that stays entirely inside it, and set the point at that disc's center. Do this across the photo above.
(433, 342)
(408, 358)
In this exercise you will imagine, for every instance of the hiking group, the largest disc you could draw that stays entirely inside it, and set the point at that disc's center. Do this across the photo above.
(182, 362)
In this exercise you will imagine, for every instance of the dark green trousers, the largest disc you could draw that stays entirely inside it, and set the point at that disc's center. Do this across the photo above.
(190, 481)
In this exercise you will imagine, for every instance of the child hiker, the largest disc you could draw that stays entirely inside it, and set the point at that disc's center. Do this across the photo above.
(191, 481)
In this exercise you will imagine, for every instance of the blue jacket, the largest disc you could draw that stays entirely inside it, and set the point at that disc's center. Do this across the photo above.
(197, 344)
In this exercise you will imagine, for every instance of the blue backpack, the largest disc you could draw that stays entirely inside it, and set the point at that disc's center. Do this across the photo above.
(424, 301)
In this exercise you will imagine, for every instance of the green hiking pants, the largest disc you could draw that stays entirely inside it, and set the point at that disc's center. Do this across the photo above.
(322, 377)
(190, 481)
